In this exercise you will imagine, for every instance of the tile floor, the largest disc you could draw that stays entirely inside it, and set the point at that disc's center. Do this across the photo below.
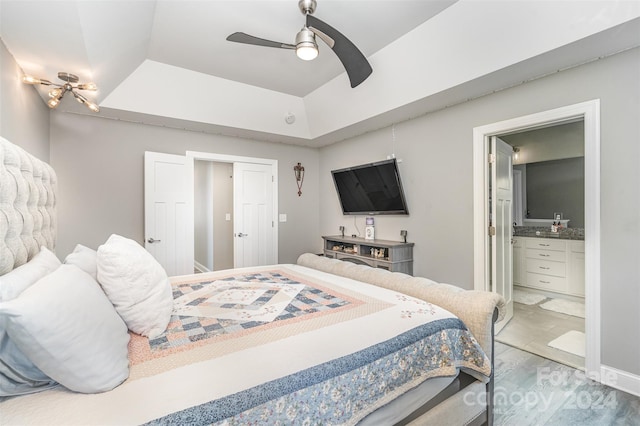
(533, 327)
(533, 391)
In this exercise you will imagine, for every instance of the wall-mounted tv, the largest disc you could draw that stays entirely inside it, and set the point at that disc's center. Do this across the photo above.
(370, 189)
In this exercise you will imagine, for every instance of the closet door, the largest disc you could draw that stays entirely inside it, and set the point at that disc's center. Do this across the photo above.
(253, 227)
(168, 211)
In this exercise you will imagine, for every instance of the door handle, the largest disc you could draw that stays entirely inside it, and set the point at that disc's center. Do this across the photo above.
(240, 235)
(151, 241)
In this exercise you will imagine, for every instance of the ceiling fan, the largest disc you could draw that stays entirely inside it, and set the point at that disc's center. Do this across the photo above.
(354, 62)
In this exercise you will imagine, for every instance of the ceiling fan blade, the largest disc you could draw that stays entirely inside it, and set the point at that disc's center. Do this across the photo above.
(249, 39)
(354, 62)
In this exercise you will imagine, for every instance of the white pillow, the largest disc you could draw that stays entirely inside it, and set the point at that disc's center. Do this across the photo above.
(65, 324)
(136, 284)
(15, 282)
(85, 259)
(18, 375)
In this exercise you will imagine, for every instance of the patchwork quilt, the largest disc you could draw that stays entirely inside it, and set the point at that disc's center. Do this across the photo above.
(269, 345)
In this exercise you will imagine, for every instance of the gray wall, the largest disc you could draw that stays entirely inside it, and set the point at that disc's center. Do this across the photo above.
(557, 186)
(24, 117)
(203, 213)
(213, 184)
(437, 168)
(223, 204)
(548, 143)
(100, 164)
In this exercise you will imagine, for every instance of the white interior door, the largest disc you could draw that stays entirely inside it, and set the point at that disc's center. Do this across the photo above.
(168, 211)
(501, 214)
(253, 227)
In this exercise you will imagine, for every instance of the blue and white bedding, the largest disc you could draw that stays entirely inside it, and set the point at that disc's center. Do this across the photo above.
(279, 344)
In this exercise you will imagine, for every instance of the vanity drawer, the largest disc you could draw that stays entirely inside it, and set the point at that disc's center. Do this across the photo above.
(547, 282)
(547, 267)
(546, 244)
(557, 256)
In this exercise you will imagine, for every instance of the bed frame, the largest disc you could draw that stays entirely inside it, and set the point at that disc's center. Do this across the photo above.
(27, 206)
(28, 222)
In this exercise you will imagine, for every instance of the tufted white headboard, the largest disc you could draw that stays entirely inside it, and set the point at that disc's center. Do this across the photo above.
(28, 188)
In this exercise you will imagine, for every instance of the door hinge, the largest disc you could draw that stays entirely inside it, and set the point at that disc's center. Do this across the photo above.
(272, 224)
(492, 158)
(492, 231)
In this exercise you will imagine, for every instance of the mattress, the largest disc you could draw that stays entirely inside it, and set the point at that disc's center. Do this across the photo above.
(274, 344)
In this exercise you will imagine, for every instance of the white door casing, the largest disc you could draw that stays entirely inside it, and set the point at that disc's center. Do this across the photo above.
(253, 213)
(501, 213)
(588, 111)
(270, 248)
(168, 212)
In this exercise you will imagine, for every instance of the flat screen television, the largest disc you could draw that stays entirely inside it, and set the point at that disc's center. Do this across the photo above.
(370, 189)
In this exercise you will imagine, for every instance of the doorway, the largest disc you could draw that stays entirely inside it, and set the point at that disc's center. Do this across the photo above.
(213, 215)
(589, 112)
(548, 259)
(240, 204)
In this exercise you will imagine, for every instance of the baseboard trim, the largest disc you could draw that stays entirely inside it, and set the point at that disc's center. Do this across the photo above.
(620, 380)
(200, 267)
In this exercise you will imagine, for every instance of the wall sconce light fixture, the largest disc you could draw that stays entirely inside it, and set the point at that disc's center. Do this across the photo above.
(516, 153)
(298, 170)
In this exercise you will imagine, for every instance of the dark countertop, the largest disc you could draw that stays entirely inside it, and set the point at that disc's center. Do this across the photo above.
(545, 232)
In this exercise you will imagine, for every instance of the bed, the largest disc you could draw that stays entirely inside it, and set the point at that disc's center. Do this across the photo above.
(316, 342)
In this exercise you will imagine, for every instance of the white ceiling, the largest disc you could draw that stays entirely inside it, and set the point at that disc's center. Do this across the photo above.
(167, 62)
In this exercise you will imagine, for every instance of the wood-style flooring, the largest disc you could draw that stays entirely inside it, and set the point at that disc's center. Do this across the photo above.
(533, 391)
(532, 328)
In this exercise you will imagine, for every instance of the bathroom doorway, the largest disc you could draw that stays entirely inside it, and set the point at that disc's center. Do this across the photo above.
(484, 270)
(548, 243)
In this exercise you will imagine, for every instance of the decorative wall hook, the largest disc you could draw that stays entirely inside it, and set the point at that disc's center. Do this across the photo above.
(299, 173)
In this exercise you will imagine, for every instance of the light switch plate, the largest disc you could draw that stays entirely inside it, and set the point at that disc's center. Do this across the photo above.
(227, 216)
(282, 217)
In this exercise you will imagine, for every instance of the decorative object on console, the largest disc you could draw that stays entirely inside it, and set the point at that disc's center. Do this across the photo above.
(56, 94)
(341, 228)
(354, 62)
(299, 172)
(369, 229)
(403, 234)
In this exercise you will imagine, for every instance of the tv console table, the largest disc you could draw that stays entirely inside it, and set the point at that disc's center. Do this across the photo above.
(394, 256)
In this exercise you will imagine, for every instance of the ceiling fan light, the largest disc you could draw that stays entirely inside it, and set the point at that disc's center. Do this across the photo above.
(307, 53)
(306, 46)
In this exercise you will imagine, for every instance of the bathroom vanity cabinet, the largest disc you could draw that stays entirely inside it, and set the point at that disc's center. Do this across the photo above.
(548, 264)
